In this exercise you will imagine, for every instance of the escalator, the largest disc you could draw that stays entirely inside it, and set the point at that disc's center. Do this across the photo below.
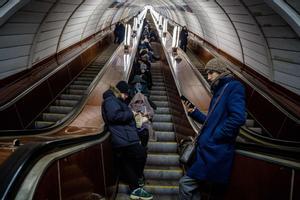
(162, 170)
(74, 92)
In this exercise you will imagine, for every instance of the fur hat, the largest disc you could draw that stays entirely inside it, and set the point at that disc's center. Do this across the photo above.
(123, 87)
(216, 65)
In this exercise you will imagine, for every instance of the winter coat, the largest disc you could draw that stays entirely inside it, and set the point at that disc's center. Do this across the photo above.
(183, 36)
(119, 119)
(216, 145)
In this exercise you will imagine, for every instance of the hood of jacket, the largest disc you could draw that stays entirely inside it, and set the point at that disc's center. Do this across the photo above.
(112, 91)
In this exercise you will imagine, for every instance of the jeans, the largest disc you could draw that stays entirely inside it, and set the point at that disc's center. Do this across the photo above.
(192, 189)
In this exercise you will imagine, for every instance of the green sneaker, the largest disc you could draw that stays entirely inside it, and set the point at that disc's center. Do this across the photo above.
(140, 193)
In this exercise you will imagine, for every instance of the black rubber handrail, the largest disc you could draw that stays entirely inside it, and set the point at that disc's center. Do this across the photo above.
(16, 167)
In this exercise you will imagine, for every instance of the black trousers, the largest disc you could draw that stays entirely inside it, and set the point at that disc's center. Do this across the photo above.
(129, 163)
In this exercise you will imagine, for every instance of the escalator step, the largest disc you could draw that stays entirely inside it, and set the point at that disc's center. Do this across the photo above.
(249, 123)
(53, 117)
(74, 91)
(256, 129)
(158, 92)
(161, 103)
(158, 88)
(78, 87)
(162, 110)
(162, 147)
(167, 159)
(82, 82)
(60, 109)
(158, 98)
(68, 103)
(163, 126)
(165, 136)
(43, 124)
(161, 174)
(85, 78)
(70, 97)
(162, 118)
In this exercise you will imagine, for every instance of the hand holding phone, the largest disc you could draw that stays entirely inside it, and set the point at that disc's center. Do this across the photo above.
(188, 104)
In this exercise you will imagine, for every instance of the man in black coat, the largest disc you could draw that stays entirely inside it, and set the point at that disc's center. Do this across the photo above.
(183, 38)
(129, 154)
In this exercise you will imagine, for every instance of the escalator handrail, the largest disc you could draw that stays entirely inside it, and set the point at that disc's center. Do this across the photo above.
(39, 82)
(15, 168)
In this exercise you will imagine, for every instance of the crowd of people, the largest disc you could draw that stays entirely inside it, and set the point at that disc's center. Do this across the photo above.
(128, 112)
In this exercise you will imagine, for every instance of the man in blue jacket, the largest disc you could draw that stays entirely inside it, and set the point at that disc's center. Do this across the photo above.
(216, 144)
(129, 154)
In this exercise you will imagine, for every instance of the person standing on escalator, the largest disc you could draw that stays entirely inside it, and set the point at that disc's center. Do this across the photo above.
(215, 147)
(129, 155)
(183, 38)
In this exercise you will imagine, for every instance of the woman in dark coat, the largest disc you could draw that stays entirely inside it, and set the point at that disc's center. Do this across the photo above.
(216, 145)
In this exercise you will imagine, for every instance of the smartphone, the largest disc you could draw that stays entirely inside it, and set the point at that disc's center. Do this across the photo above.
(183, 98)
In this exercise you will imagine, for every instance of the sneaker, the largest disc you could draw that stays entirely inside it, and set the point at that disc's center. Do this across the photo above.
(140, 193)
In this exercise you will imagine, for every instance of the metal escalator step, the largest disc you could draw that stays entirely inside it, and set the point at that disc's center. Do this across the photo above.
(157, 80)
(87, 75)
(166, 159)
(78, 87)
(53, 117)
(70, 97)
(162, 110)
(249, 123)
(256, 129)
(60, 109)
(93, 73)
(158, 98)
(93, 70)
(162, 147)
(153, 189)
(159, 83)
(43, 124)
(85, 78)
(163, 126)
(82, 82)
(162, 174)
(68, 103)
(162, 118)
(158, 88)
(74, 91)
(165, 136)
(161, 103)
(158, 92)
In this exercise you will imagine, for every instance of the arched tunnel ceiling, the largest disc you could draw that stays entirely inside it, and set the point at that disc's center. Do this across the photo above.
(248, 30)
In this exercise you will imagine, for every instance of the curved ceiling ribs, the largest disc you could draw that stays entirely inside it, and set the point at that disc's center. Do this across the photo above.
(248, 30)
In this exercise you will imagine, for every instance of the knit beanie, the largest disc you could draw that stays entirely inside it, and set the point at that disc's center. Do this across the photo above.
(216, 65)
(122, 86)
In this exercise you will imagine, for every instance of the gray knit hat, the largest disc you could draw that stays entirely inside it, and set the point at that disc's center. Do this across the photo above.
(216, 65)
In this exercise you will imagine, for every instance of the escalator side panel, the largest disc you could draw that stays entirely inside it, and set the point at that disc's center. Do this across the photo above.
(257, 179)
(82, 175)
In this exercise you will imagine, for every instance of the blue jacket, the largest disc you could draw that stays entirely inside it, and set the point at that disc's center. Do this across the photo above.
(120, 121)
(216, 145)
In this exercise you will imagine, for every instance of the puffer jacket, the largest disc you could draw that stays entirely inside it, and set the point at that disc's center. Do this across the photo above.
(119, 119)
